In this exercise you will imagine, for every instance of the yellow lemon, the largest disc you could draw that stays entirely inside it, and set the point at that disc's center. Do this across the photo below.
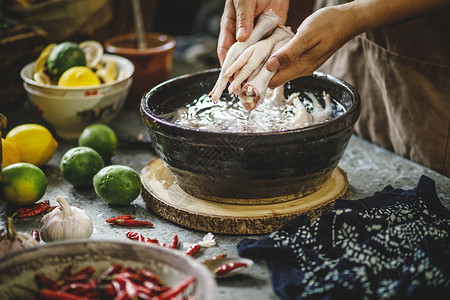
(106, 70)
(35, 143)
(78, 76)
(41, 62)
(22, 184)
(10, 154)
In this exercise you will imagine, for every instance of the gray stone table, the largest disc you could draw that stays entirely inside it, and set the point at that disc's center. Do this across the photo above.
(369, 169)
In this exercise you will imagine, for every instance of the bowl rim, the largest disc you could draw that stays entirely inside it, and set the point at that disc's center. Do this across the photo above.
(354, 109)
(167, 46)
(80, 88)
(209, 281)
(29, 89)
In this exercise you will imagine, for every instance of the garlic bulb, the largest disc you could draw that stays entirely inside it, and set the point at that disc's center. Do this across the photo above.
(65, 223)
(11, 240)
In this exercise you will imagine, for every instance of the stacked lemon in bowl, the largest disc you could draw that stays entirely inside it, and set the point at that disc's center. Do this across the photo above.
(74, 85)
(70, 64)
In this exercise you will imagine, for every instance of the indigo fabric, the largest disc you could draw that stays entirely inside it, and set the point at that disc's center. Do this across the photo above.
(392, 245)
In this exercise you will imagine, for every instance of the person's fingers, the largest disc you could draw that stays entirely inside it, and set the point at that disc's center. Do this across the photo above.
(285, 56)
(227, 30)
(238, 20)
(245, 15)
(289, 73)
(303, 65)
(225, 41)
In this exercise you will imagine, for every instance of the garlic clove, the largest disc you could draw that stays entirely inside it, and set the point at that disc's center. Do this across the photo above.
(11, 240)
(65, 223)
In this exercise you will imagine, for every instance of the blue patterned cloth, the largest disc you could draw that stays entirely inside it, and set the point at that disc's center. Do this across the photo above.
(393, 245)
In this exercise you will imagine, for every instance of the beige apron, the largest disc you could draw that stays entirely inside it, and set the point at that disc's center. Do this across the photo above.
(402, 73)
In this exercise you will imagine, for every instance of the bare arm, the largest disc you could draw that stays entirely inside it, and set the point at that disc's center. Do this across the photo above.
(328, 29)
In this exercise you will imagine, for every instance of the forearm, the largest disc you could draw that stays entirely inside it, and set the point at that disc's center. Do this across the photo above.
(327, 29)
(369, 14)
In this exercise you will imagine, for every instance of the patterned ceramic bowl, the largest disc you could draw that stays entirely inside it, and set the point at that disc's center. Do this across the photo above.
(18, 269)
(70, 109)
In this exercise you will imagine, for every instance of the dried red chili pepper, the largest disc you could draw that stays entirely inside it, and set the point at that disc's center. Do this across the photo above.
(140, 238)
(219, 256)
(144, 290)
(178, 289)
(192, 250)
(113, 269)
(36, 209)
(86, 270)
(150, 276)
(81, 275)
(154, 287)
(135, 277)
(79, 287)
(116, 282)
(35, 235)
(127, 270)
(226, 268)
(135, 236)
(60, 295)
(128, 222)
(151, 241)
(144, 296)
(117, 287)
(127, 286)
(124, 217)
(108, 289)
(45, 282)
(174, 244)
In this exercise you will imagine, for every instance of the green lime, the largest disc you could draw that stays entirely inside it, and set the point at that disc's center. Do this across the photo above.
(101, 138)
(22, 184)
(117, 184)
(65, 56)
(80, 164)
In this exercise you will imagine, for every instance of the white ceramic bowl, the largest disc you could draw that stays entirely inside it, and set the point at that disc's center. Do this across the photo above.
(70, 109)
(172, 266)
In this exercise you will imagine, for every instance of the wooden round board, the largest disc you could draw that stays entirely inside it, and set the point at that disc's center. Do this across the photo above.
(162, 194)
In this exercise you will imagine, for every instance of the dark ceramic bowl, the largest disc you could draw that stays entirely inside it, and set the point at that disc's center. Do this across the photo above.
(226, 167)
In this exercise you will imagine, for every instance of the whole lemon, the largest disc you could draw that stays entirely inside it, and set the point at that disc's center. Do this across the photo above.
(10, 154)
(79, 165)
(78, 76)
(34, 142)
(22, 184)
(117, 184)
(101, 138)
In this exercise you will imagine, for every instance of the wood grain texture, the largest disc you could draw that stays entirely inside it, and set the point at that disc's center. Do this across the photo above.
(167, 199)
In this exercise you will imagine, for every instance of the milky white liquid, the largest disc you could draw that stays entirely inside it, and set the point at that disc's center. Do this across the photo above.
(228, 115)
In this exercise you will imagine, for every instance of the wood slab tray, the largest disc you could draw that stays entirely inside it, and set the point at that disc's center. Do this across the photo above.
(164, 196)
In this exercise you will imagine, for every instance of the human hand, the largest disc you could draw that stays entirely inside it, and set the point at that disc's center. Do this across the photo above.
(317, 38)
(238, 19)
